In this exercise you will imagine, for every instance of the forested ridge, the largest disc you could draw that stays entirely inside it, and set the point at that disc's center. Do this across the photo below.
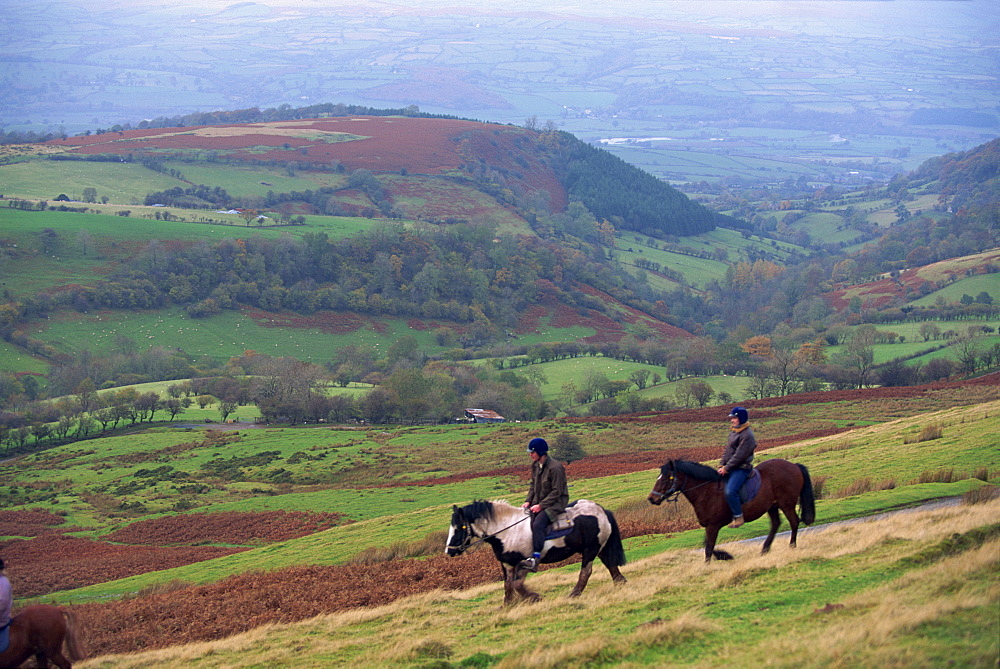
(631, 198)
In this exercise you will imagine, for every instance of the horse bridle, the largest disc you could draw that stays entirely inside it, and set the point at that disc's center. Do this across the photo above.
(469, 543)
(674, 492)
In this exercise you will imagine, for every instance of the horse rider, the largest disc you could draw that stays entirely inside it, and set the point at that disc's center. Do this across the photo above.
(736, 465)
(547, 497)
(6, 597)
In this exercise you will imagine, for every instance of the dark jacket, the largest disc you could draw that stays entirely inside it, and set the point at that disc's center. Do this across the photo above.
(548, 487)
(739, 449)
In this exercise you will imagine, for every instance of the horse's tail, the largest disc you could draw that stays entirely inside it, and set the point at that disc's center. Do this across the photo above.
(75, 648)
(807, 500)
(613, 552)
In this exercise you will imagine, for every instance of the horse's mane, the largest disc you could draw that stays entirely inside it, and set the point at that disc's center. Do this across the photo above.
(479, 508)
(488, 510)
(696, 470)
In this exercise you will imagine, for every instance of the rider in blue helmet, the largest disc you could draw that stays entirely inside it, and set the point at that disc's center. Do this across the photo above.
(547, 496)
(736, 460)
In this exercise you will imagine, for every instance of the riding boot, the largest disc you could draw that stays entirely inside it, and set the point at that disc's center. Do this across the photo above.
(737, 521)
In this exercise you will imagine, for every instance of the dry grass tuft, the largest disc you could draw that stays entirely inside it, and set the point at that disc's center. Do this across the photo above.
(864, 485)
(939, 476)
(159, 589)
(432, 544)
(840, 446)
(982, 494)
(928, 433)
(819, 485)
(982, 473)
(684, 628)
(637, 517)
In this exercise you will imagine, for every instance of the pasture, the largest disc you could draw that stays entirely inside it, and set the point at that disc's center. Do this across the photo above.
(122, 183)
(910, 343)
(723, 247)
(557, 375)
(970, 285)
(226, 334)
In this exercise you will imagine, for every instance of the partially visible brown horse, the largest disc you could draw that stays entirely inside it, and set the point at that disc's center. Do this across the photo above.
(783, 483)
(40, 630)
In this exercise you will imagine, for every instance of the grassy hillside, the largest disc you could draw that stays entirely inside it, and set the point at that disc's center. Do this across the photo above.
(103, 484)
(920, 590)
(936, 570)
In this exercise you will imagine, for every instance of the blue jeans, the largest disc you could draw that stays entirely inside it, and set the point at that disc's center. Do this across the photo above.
(734, 481)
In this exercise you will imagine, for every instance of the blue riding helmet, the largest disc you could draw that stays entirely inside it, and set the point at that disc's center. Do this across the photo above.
(538, 445)
(739, 412)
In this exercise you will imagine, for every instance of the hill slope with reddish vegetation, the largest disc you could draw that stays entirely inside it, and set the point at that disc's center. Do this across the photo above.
(890, 290)
(378, 143)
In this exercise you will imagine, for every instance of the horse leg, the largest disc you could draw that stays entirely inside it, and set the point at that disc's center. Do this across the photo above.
(793, 520)
(517, 583)
(711, 535)
(508, 585)
(56, 656)
(775, 524)
(42, 660)
(616, 575)
(585, 571)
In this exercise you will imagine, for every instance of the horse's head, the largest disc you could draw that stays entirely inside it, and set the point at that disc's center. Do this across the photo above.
(459, 534)
(665, 485)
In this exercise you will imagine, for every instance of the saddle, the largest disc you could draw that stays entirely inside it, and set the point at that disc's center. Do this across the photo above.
(560, 527)
(751, 487)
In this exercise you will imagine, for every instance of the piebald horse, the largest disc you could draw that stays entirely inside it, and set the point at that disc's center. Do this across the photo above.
(507, 530)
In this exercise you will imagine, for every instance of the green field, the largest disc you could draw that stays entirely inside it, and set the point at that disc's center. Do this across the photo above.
(121, 183)
(914, 343)
(218, 337)
(633, 247)
(970, 285)
(559, 373)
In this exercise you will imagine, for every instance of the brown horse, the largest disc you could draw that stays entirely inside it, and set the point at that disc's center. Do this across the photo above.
(40, 630)
(783, 483)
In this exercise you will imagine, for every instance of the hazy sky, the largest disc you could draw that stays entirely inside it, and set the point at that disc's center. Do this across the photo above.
(599, 69)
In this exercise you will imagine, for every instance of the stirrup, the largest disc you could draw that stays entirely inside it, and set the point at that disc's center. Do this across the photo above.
(531, 564)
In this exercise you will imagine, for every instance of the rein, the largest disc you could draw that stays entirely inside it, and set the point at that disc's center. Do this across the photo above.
(485, 537)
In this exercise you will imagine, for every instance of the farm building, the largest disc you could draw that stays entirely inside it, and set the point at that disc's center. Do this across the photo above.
(483, 416)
